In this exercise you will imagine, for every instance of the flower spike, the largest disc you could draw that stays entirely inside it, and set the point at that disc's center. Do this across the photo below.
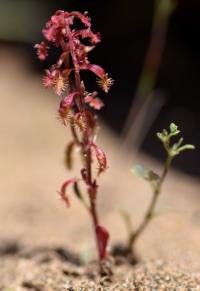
(75, 102)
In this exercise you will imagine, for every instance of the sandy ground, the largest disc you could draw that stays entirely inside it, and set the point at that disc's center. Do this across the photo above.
(32, 169)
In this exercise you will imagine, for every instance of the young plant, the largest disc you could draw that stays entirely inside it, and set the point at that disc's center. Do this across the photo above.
(77, 104)
(156, 181)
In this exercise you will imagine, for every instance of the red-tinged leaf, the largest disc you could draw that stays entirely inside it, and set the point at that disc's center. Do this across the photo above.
(68, 100)
(69, 152)
(101, 158)
(63, 189)
(97, 70)
(102, 238)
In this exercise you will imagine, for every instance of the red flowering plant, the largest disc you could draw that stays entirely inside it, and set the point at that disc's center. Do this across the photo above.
(77, 105)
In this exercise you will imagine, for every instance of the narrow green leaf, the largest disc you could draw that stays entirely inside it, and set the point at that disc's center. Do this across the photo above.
(78, 194)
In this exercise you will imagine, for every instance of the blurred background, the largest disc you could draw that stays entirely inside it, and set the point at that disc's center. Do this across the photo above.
(151, 50)
(141, 47)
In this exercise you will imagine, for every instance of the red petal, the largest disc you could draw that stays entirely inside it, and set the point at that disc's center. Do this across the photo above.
(63, 193)
(102, 237)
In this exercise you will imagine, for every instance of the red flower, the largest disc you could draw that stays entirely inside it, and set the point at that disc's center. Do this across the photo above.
(82, 17)
(96, 103)
(65, 106)
(49, 79)
(60, 84)
(87, 33)
(42, 50)
(105, 83)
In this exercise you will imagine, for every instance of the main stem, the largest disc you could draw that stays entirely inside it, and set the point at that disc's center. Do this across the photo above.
(150, 210)
(86, 141)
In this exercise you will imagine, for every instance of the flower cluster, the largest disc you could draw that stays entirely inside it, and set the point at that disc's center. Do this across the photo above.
(77, 104)
(58, 32)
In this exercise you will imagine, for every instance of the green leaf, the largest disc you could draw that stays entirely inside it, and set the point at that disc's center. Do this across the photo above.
(151, 176)
(144, 173)
(68, 155)
(173, 127)
(177, 144)
(159, 135)
(79, 195)
(186, 147)
(173, 130)
(138, 170)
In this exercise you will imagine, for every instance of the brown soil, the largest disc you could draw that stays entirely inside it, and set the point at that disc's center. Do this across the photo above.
(55, 269)
(33, 218)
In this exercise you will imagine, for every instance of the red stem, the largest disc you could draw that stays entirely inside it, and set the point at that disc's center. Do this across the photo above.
(86, 141)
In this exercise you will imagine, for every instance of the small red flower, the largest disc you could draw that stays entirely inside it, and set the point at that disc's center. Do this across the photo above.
(83, 17)
(65, 106)
(96, 103)
(87, 33)
(60, 85)
(105, 83)
(42, 50)
(50, 77)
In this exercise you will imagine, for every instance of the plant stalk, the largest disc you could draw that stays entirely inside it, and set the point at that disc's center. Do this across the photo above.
(86, 141)
(151, 208)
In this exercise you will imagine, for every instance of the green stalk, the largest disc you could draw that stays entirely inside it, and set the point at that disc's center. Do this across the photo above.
(150, 211)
